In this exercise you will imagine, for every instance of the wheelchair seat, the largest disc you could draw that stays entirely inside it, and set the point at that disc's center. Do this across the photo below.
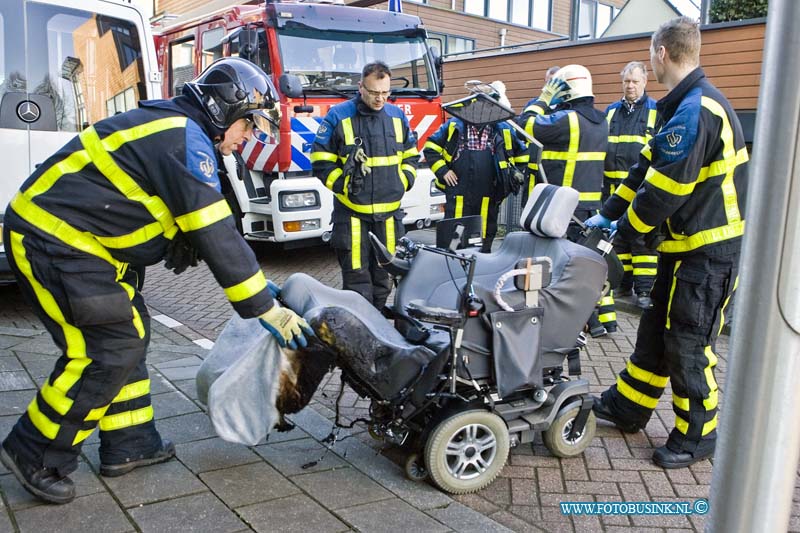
(366, 344)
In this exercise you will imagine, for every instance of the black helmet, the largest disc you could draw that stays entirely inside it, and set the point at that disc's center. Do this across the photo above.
(232, 88)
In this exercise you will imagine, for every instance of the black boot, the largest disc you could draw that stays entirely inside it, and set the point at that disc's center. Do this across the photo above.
(602, 412)
(667, 458)
(44, 483)
(164, 453)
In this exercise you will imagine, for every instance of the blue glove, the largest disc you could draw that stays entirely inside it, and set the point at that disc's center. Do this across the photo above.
(273, 288)
(598, 221)
(613, 226)
(286, 326)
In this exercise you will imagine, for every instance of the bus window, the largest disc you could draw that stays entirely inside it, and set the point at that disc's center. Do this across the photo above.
(181, 64)
(211, 41)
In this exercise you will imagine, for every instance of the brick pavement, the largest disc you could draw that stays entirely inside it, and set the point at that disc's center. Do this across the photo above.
(216, 486)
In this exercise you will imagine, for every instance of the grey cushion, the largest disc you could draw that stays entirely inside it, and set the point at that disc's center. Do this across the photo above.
(549, 210)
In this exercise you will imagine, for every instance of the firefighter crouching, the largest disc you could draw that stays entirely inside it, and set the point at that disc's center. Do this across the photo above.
(366, 153)
(476, 167)
(129, 190)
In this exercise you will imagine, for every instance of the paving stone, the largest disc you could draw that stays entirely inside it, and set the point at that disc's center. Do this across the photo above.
(513, 522)
(152, 483)
(15, 402)
(12, 381)
(294, 514)
(587, 524)
(159, 383)
(290, 457)
(10, 364)
(5, 520)
(214, 454)
(390, 515)
(246, 484)
(550, 480)
(344, 487)
(187, 386)
(523, 492)
(282, 436)
(96, 513)
(465, 520)
(186, 428)
(180, 373)
(171, 404)
(657, 484)
(196, 513)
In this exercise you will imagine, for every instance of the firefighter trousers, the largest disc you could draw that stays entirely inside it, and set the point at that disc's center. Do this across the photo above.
(675, 344)
(360, 269)
(640, 264)
(98, 320)
(458, 206)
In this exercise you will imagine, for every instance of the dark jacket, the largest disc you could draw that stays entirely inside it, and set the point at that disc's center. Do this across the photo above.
(690, 181)
(630, 127)
(124, 187)
(390, 145)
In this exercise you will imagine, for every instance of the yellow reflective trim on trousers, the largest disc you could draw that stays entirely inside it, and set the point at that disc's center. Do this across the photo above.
(672, 291)
(730, 156)
(459, 207)
(204, 217)
(433, 146)
(683, 426)
(81, 436)
(623, 257)
(69, 165)
(126, 419)
(47, 427)
(73, 337)
(711, 401)
(247, 288)
(133, 390)
(636, 222)
(590, 196)
(323, 156)
(725, 305)
(665, 183)
(626, 193)
(645, 376)
(355, 243)
(390, 237)
(347, 130)
(607, 317)
(644, 271)
(606, 300)
(97, 413)
(638, 139)
(615, 174)
(680, 402)
(437, 165)
(644, 259)
(398, 129)
(367, 209)
(702, 238)
(635, 396)
(332, 177)
(484, 214)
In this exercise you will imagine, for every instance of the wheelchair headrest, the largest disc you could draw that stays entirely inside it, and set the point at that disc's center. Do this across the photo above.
(549, 210)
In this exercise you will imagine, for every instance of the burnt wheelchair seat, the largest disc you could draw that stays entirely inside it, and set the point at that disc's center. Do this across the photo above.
(365, 344)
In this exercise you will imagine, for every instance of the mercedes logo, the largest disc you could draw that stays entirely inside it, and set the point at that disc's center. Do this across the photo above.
(28, 111)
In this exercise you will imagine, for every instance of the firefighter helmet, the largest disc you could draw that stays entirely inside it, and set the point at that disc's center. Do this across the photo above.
(579, 80)
(232, 88)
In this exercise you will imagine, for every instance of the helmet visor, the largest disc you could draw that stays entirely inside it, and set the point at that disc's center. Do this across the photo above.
(267, 121)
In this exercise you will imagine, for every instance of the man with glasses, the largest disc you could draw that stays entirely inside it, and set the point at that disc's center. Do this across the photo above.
(366, 153)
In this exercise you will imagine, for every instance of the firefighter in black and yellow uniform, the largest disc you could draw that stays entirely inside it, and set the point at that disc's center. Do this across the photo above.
(366, 153)
(687, 191)
(532, 109)
(473, 164)
(574, 138)
(129, 190)
(632, 120)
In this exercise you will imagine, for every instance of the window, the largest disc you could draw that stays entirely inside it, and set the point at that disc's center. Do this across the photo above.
(181, 64)
(211, 42)
(450, 44)
(533, 13)
(121, 102)
(594, 18)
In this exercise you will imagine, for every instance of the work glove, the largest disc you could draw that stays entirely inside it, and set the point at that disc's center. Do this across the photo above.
(273, 288)
(554, 92)
(286, 326)
(180, 254)
(598, 221)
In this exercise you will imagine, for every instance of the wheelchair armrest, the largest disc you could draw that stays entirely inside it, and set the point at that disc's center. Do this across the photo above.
(436, 315)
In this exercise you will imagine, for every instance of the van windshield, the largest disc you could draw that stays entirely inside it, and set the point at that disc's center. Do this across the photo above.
(332, 60)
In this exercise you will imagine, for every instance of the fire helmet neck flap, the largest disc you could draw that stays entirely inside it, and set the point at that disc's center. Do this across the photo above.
(579, 80)
(232, 88)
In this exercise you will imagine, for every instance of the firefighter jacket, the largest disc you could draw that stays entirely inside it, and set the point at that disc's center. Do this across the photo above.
(494, 178)
(123, 188)
(690, 180)
(391, 152)
(630, 127)
(574, 138)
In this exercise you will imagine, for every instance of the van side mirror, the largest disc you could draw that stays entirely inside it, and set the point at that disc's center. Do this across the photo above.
(290, 85)
(438, 64)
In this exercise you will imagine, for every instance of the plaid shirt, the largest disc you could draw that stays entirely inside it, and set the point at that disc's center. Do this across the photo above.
(476, 140)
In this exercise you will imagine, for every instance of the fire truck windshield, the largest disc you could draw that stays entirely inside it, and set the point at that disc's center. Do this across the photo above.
(333, 60)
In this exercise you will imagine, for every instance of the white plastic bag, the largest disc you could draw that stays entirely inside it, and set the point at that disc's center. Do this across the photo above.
(239, 381)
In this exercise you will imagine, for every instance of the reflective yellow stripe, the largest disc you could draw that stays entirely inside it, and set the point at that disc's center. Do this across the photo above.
(347, 130)
(139, 236)
(97, 413)
(332, 177)
(507, 143)
(711, 401)
(437, 165)
(589, 196)
(610, 115)
(411, 152)
(645, 259)
(645, 271)
(680, 402)
(522, 159)
(638, 139)
(502, 164)
(81, 436)
(606, 300)
(368, 209)
(672, 291)
(572, 157)
(47, 427)
(384, 161)
(76, 345)
(730, 157)
(574, 138)
(626, 193)
(683, 426)
(459, 207)
(645, 376)
(204, 217)
(118, 138)
(636, 396)
(665, 183)
(398, 129)
(637, 223)
(607, 317)
(390, 234)
(355, 242)
(69, 165)
(410, 169)
(725, 305)
(132, 390)
(646, 152)
(324, 156)
(484, 214)
(126, 419)
(702, 238)
(534, 108)
(616, 174)
(247, 288)
(623, 257)
(651, 118)
(433, 146)
(719, 168)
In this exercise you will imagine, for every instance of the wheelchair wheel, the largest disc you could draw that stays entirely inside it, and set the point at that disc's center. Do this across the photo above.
(466, 451)
(414, 468)
(556, 438)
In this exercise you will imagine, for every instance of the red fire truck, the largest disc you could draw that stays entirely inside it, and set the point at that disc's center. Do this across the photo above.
(323, 47)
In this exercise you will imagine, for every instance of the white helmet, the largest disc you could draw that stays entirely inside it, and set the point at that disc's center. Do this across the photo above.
(579, 80)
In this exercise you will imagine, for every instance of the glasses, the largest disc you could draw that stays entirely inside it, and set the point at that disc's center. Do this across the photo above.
(376, 94)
